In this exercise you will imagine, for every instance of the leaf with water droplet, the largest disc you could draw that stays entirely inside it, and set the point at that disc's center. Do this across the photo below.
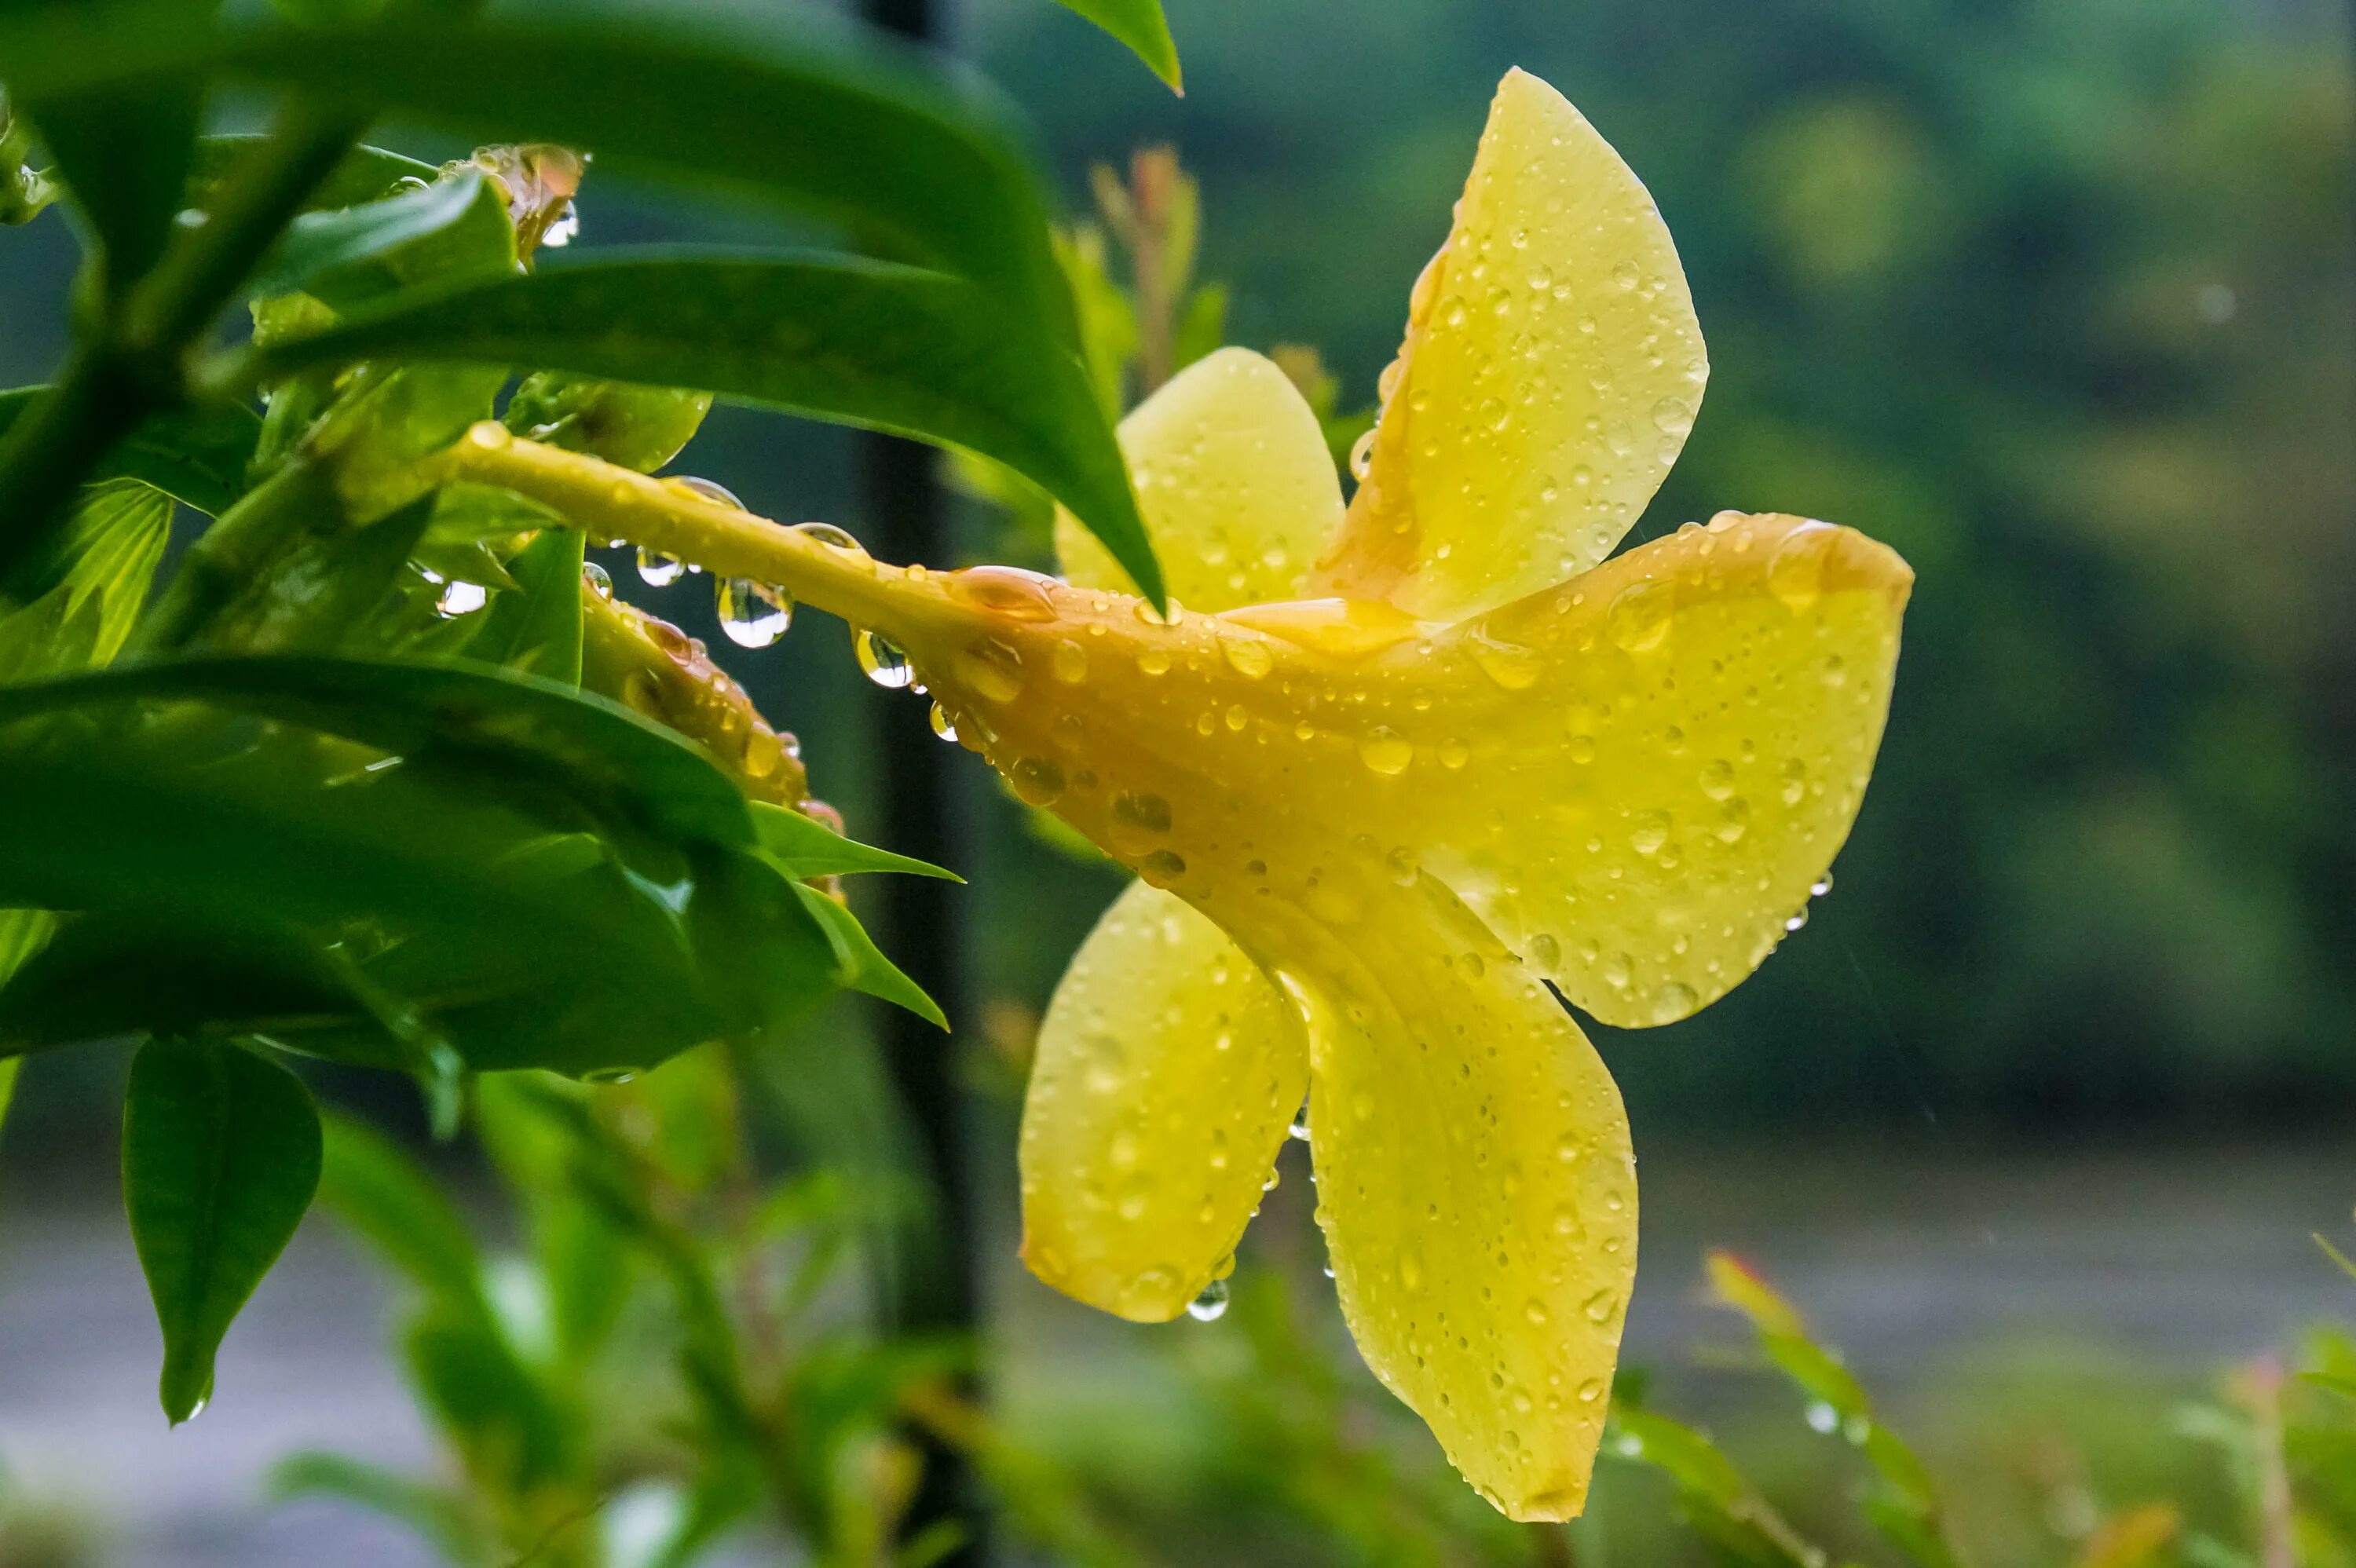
(220, 1154)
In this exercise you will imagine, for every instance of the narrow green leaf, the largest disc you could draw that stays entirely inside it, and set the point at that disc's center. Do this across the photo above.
(784, 106)
(197, 455)
(321, 251)
(806, 848)
(376, 1188)
(124, 152)
(220, 1154)
(1141, 25)
(433, 1513)
(888, 348)
(535, 627)
(366, 174)
(862, 965)
(598, 754)
(77, 603)
(7, 1088)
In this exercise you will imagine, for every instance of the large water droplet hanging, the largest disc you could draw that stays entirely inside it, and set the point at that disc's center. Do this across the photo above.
(1211, 1305)
(661, 571)
(1299, 1127)
(597, 580)
(942, 725)
(881, 657)
(753, 614)
(462, 598)
(1821, 886)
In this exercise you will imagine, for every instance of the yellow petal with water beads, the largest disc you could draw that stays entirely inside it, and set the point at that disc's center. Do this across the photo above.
(1477, 1195)
(1167, 1069)
(1551, 369)
(1234, 480)
(1665, 762)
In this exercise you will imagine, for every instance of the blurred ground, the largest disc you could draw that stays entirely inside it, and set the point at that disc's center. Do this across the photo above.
(1916, 1261)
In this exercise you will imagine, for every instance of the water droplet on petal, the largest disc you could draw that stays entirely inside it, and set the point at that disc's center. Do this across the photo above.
(1037, 780)
(942, 725)
(1385, 751)
(1212, 1303)
(597, 580)
(834, 537)
(1639, 617)
(1821, 886)
(1299, 1125)
(1248, 656)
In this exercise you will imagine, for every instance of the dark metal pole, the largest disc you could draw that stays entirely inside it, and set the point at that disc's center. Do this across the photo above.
(938, 1284)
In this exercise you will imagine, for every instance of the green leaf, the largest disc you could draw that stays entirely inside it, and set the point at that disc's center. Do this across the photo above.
(511, 1430)
(79, 601)
(377, 1188)
(462, 878)
(124, 151)
(1141, 25)
(7, 1088)
(861, 965)
(784, 106)
(606, 760)
(805, 848)
(365, 174)
(873, 344)
(535, 627)
(220, 1154)
(451, 228)
(435, 1513)
(196, 455)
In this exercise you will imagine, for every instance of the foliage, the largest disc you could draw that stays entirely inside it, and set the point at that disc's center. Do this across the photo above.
(381, 775)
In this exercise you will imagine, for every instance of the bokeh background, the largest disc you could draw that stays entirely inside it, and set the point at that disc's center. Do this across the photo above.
(2056, 297)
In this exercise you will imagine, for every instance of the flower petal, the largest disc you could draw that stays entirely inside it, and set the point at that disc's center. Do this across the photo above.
(1238, 490)
(1168, 1068)
(1659, 759)
(1478, 1194)
(1551, 369)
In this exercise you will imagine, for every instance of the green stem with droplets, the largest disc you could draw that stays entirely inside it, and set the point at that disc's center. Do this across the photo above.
(616, 503)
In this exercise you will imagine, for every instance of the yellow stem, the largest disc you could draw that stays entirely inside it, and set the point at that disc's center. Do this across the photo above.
(615, 503)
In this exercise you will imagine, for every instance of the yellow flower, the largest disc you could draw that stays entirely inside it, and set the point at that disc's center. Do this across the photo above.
(1393, 770)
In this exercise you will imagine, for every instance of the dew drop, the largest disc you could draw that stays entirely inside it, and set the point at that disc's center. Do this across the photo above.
(1162, 868)
(1650, 832)
(1798, 920)
(1154, 661)
(833, 537)
(1385, 751)
(992, 668)
(881, 657)
(1068, 663)
(1821, 886)
(753, 614)
(942, 725)
(1602, 1306)
(597, 580)
(1212, 1303)
(1300, 1124)
(1674, 1001)
(462, 598)
(1362, 455)
(1005, 591)
(1247, 657)
(1718, 779)
(1639, 617)
(1454, 753)
(701, 489)
(658, 569)
(1037, 780)
(1511, 667)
